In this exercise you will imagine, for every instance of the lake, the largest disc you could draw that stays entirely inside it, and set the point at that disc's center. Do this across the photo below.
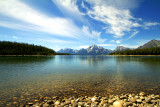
(30, 77)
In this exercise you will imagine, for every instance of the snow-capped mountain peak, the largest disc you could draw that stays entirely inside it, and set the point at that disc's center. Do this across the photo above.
(91, 50)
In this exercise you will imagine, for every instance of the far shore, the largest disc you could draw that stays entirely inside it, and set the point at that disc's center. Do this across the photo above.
(27, 55)
(99, 55)
(133, 55)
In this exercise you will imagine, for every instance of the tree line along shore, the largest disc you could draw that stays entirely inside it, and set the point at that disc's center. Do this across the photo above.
(24, 49)
(8, 48)
(145, 51)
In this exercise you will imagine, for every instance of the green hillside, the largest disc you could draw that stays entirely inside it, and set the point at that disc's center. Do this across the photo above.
(152, 43)
(14, 48)
(145, 51)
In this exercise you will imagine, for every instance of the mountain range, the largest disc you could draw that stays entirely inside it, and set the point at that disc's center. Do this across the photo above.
(121, 48)
(152, 43)
(91, 50)
(97, 50)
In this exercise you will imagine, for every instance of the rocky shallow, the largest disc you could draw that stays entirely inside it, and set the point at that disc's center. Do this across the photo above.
(124, 100)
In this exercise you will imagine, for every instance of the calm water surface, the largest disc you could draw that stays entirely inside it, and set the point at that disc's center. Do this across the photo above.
(32, 77)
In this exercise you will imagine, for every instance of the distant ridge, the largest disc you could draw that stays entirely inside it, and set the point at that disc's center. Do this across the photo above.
(150, 44)
(150, 48)
(91, 50)
(121, 48)
(67, 50)
(97, 50)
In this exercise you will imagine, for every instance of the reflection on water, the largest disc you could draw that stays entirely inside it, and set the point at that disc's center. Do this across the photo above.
(78, 75)
(23, 59)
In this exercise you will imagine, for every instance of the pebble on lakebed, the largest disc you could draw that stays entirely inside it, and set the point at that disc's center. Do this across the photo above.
(124, 100)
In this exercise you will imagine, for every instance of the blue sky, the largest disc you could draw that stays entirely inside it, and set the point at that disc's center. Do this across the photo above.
(78, 24)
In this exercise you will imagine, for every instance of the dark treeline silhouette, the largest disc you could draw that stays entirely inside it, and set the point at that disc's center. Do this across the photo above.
(14, 48)
(145, 51)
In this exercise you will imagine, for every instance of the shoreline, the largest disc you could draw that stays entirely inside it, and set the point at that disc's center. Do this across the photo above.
(27, 55)
(84, 55)
(133, 55)
(123, 100)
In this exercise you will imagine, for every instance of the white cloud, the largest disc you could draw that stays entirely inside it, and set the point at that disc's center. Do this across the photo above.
(117, 21)
(69, 8)
(112, 40)
(15, 37)
(15, 25)
(136, 32)
(116, 16)
(141, 42)
(106, 45)
(40, 22)
(151, 23)
(85, 46)
(54, 40)
(129, 46)
(147, 25)
(132, 46)
(116, 41)
(92, 34)
(99, 40)
(68, 5)
(32, 19)
(120, 4)
(82, 4)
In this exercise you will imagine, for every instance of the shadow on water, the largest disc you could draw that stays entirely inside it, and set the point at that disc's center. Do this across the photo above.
(90, 60)
(144, 59)
(17, 70)
(151, 63)
(24, 59)
(93, 60)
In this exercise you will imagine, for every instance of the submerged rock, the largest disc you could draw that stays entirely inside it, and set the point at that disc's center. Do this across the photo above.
(139, 100)
(45, 105)
(126, 104)
(75, 104)
(50, 102)
(127, 100)
(142, 93)
(93, 99)
(133, 100)
(110, 101)
(57, 102)
(117, 104)
(148, 100)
